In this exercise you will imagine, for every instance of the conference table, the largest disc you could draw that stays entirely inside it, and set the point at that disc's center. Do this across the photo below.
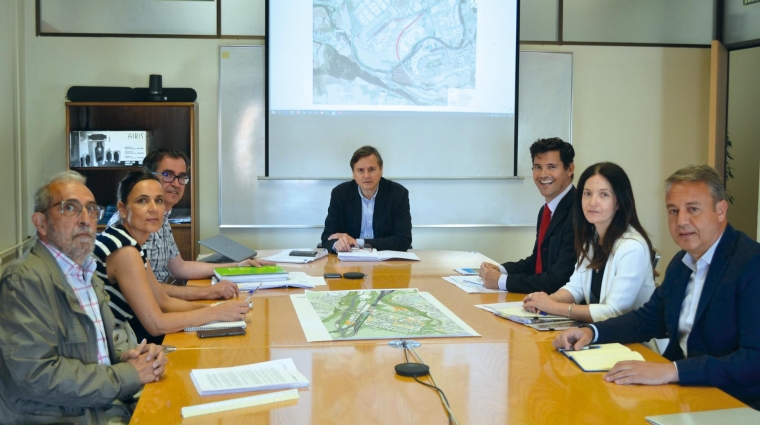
(510, 374)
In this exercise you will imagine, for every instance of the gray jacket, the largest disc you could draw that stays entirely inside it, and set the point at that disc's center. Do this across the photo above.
(49, 371)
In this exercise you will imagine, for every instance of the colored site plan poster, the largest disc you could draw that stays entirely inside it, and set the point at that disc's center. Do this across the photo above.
(375, 314)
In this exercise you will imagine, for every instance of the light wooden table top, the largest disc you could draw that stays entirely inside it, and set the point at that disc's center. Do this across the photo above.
(509, 375)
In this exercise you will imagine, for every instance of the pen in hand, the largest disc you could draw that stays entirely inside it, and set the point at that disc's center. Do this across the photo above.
(250, 294)
(248, 300)
(588, 347)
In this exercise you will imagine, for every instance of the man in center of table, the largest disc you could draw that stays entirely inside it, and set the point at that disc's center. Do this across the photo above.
(369, 210)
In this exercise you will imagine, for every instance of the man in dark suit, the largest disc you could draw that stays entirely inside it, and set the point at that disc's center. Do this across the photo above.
(553, 260)
(368, 211)
(706, 306)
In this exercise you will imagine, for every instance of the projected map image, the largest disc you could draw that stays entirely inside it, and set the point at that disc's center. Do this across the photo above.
(394, 52)
(369, 314)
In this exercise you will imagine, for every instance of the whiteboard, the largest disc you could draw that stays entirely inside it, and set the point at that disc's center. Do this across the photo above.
(247, 200)
(128, 17)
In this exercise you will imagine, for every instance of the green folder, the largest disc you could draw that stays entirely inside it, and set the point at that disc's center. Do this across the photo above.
(248, 271)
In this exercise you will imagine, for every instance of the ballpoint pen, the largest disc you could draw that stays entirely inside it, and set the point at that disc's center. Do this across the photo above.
(250, 294)
(588, 347)
(169, 349)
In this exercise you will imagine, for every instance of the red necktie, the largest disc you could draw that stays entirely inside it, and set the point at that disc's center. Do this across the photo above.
(545, 219)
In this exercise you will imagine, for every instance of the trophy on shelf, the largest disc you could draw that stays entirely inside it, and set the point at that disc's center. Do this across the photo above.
(96, 147)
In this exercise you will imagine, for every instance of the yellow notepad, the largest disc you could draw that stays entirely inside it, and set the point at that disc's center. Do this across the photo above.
(601, 357)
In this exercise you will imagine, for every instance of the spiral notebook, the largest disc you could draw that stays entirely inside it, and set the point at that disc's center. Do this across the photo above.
(217, 325)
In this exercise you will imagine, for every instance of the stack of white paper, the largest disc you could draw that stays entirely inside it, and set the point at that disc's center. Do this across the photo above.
(294, 280)
(271, 375)
(375, 255)
(285, 257)
(239, 403)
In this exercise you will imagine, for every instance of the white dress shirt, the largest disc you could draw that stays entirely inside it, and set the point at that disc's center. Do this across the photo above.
(693, 292)
(368, 214)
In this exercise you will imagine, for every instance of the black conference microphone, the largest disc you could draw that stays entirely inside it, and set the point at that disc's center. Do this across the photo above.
(409, 369)
(414, 370)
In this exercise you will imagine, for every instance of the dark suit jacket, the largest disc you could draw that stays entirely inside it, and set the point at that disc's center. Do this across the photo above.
(724, 343)
(557, 254)
(391, 220)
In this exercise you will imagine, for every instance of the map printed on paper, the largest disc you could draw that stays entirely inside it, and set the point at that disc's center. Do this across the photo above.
(394, 52)
(375, 314)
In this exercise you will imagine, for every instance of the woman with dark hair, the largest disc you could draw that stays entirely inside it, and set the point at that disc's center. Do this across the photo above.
(137, 299)
(613, 274)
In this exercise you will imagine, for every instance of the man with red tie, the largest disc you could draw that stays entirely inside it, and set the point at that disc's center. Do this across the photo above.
(553, 259)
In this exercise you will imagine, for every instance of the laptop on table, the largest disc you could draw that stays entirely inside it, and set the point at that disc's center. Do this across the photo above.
(227, 250)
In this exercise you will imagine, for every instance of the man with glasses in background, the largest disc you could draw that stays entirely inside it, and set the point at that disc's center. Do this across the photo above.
(170, 166)
(58, 362)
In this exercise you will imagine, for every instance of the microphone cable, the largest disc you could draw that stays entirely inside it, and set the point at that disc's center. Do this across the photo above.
(426, 371)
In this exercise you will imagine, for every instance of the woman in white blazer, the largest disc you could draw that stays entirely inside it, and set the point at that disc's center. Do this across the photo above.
(613, 274)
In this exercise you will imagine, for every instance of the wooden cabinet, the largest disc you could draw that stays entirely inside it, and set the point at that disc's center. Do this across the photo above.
(171, 125)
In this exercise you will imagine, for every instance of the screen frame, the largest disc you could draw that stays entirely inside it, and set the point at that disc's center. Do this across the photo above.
(516, 89)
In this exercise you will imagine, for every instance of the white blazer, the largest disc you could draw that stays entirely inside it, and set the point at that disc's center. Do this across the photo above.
(628, 280)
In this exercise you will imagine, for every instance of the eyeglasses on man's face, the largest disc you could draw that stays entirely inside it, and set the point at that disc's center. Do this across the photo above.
(74, 208)
(168, 177)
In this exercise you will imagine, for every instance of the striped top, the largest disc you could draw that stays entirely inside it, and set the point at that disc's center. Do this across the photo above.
(108, 242)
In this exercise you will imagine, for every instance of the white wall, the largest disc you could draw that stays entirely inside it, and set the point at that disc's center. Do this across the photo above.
(9, 96)
(744, 132)
(644, 108)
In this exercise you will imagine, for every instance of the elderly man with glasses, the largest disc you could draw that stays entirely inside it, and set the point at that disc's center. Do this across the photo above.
(58, 362)
(170, 166)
